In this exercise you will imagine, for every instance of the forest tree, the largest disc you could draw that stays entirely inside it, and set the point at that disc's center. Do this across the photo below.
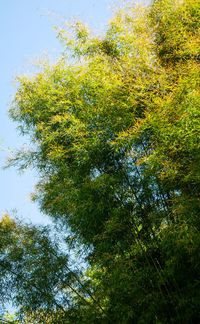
(114, 128)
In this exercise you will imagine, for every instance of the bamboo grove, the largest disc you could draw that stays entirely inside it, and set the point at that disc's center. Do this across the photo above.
(114, 128)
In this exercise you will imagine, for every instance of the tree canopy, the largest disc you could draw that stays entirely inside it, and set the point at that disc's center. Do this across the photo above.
(114, 133)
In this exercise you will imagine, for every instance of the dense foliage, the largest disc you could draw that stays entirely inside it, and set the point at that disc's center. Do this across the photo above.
(115, 133)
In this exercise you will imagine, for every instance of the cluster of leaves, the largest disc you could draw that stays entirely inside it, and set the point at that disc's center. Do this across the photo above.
(37, 278)
(115, 131)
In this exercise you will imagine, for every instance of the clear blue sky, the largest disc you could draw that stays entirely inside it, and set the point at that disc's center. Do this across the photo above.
(26, 32)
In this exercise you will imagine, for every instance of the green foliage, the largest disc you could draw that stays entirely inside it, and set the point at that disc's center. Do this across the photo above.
(115, 131)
